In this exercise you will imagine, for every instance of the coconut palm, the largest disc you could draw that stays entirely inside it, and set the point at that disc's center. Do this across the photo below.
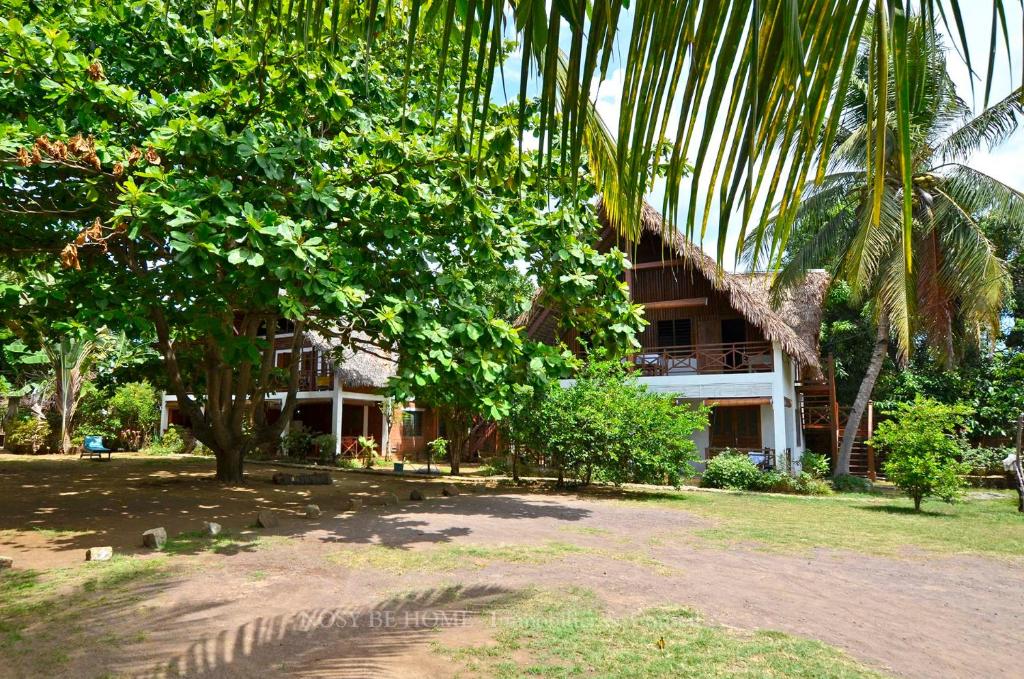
(853, 222)
(751, 73)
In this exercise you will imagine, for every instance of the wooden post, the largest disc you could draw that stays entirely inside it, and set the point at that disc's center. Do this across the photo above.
(872, 474)
(1019, 467)
(834, 406)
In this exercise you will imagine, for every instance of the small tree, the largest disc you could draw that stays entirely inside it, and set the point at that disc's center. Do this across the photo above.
(608, 426)
(367, 450)
(437, 448)
(135, 406)
(923, 443)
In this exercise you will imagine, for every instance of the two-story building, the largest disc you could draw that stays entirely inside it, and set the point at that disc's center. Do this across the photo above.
(716, 338)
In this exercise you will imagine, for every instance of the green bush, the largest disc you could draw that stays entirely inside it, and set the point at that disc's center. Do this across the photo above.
(171, 443)
(732, 470)
(923, 444)
(297, 442)
(816, 465)
(608, 426)
(807, 484)
(28, 435)
(326, 444)
(986, 461)
(368, 451)
(135, 411)
(848, 483)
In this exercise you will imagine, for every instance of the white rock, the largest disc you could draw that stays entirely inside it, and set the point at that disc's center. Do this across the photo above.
(154, 538)
(99, 553)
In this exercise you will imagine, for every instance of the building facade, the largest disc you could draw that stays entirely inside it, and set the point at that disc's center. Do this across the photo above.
(716, 338)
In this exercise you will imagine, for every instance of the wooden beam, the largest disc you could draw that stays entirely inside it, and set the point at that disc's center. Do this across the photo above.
(727, 402)
(659, 264)
(676, 303)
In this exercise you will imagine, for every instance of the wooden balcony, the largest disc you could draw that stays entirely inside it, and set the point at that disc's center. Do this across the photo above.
(315, 377)
(704, 359)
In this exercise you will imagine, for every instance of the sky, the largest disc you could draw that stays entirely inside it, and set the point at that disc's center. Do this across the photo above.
(1006, 163)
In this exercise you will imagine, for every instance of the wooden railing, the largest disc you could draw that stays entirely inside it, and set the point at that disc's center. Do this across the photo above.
(704, 359)
(313, 377)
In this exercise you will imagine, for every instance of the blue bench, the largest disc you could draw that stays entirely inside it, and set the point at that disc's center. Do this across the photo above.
(93, 448)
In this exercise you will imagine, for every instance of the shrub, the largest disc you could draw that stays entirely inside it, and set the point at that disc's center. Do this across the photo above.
(848, 483)
(171, 443)
(135, 408)
(732, 470)
(345, 463)
(326, 444)
(436, 450)
(922, 444)
(367, 450)
(816, 465)
(298, 442)
(607, 425)
(807, 484)
(986, 461)
(28, 434)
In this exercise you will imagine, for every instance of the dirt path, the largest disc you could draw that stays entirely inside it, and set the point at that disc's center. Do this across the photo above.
(293, 609)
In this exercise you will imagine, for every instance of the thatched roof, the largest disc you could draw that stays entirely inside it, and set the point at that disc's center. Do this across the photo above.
(795, 324)
(359, 368)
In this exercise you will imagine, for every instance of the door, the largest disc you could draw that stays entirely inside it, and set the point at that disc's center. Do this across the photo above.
(734, 331)
(736, 427)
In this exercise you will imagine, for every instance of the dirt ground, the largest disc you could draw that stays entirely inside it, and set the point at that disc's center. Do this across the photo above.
(292, 608)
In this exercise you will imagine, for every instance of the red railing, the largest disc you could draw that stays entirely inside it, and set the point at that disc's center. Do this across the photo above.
(705, 359)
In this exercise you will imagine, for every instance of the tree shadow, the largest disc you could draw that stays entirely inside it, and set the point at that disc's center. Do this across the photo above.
(903, 511)
(401, 527)
(334, 642)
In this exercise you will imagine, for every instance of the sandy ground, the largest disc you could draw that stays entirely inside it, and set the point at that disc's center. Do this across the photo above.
(289, 609)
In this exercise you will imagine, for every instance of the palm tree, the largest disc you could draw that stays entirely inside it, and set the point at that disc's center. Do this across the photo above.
(951, 289)
(757, 73)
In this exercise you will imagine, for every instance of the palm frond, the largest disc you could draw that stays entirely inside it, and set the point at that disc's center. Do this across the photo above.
(988, 129)
(755, 75)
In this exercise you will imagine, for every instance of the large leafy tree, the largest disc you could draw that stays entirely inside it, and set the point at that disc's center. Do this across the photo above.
(202, 182)
(944, 286)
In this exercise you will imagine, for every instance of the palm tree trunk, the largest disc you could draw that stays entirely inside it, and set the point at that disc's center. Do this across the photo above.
(867, 385)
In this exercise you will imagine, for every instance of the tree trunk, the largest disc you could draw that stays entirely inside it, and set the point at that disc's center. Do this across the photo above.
(917, 503)
(12, 412)
(229, 466)
(863, 395)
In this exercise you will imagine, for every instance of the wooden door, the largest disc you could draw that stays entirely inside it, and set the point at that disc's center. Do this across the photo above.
(736, 427)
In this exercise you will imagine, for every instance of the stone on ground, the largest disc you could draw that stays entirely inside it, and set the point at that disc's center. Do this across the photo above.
(154, 538)
(99, 553)
(266, 519)
(416, 496)
(312, 512)
(211, 528)
(6, 562)
(351, 504)
(450, 490)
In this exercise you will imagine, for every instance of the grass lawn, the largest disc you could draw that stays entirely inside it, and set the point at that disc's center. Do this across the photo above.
(53, 608)
(448, 557)
(567, 634)
(862, 523)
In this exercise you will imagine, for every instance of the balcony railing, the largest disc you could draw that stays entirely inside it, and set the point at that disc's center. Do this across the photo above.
(704, 359)
(315, 376)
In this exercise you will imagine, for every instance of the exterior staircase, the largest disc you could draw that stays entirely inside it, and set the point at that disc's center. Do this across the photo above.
(823, 421)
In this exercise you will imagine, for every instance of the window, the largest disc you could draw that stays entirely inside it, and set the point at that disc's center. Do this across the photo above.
(675, 332)
(412, 423)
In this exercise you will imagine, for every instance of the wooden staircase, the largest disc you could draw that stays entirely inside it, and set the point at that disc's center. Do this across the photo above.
(823, 421)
